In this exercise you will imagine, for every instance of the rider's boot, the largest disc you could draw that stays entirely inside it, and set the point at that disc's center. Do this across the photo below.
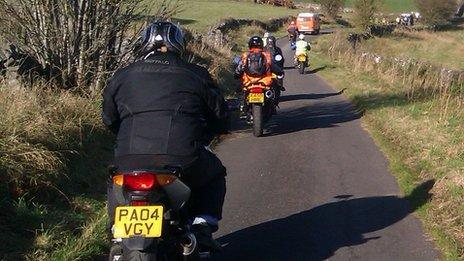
(204, 235)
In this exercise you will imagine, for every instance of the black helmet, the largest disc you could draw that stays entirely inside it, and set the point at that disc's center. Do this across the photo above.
(256, 42)
(271, 41)
(162, 34)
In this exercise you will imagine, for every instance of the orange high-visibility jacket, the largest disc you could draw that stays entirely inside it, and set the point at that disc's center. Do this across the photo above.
(265, 79)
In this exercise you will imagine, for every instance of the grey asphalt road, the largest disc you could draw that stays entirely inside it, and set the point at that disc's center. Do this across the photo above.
(315, 187)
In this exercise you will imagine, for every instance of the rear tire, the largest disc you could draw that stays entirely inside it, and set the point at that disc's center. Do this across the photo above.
(134, 255)
(115, 251)
(301, 67)
(257, 120)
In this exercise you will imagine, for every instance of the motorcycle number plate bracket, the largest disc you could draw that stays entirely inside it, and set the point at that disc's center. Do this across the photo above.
(256, 98)
(143, 221)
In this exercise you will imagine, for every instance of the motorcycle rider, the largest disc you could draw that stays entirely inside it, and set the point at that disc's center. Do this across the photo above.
(292, 31)
(256, 66)
(164, 111)
(275, 50)
(266, 38)
(302, 47)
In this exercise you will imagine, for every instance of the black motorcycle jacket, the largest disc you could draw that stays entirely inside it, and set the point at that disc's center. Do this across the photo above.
(274, 52)
(163, 106)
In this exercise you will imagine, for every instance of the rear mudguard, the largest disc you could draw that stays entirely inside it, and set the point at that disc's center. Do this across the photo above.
(139, 243)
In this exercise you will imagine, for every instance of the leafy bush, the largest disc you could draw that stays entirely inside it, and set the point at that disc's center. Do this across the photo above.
(436, 13)
(332, 7)
(365, 11)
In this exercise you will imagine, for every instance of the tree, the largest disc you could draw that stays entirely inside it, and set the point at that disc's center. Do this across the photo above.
(436, 12)
(332, 7)
(77, 42)
(365, 11)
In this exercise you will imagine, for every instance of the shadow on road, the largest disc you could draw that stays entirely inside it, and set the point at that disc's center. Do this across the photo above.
(316, 116)
(317, 233)
(309, 96)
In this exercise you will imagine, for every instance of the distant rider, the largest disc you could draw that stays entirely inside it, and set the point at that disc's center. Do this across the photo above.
(302, 47)
(292, 31)
(275, 50)
(266, 38)
(256, 66)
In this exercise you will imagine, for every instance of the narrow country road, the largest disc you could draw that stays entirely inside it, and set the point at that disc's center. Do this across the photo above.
(316, 187)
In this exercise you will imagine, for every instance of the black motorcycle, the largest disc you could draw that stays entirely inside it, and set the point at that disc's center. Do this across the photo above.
(151, 221)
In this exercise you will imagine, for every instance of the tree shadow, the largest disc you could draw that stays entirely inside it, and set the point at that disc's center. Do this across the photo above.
(316, 116)
(343, 22)
(289, 68)
(183, 21)
(318, 233)
(310, 96)
(323, 32)
(316, 70)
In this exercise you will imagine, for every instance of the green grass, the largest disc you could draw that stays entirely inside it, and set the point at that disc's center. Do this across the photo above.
(53, 157)
(201, 14)
(420, 140)
(440, 48)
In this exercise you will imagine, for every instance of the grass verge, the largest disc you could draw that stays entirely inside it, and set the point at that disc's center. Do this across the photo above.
(53, 156)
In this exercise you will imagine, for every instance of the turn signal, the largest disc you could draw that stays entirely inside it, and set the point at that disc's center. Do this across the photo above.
(118, 180)
(164, 180)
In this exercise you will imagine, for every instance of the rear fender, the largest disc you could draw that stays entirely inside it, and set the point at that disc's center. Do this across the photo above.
(178, 194)
(139, 243)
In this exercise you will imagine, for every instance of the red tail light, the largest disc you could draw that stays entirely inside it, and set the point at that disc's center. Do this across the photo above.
(256, 90)
(140, 181)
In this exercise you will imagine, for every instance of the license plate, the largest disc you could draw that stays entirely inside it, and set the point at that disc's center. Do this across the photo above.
(144, 221)
(302, 58)
(256, 98)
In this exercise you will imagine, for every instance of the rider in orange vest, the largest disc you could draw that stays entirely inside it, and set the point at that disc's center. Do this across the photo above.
(257, 66)
(263, 75)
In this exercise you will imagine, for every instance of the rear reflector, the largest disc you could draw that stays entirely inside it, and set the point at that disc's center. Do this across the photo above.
(256, 90)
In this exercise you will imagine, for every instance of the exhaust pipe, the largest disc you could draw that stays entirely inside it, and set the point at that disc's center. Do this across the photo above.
(269, 94)
(189, 244)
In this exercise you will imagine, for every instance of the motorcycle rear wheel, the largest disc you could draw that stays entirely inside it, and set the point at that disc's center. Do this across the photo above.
(257, 111)
(301, 67)
(134, 255)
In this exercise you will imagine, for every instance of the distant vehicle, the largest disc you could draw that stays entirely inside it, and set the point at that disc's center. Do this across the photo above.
(405, 19)
(308, 23)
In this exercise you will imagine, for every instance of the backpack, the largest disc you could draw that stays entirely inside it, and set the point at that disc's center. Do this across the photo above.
(256, 64)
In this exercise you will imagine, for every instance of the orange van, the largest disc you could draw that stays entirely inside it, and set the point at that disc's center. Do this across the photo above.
(308, 23)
